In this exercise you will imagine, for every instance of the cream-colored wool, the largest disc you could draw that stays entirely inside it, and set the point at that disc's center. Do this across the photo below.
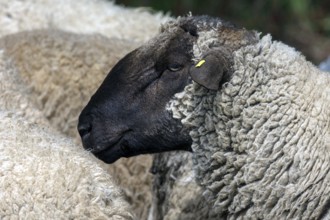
(50, 93)
(176, 194)
(261, 144)
(62, 71)
(84, 16)
(44, 175)
(15, 95)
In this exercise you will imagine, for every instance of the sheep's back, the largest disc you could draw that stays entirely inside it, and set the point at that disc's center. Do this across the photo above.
(83, 17)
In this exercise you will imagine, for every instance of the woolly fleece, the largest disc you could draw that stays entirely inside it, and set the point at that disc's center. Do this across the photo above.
(52, 95)
(84, 16)
(261, 143)
(48, 177)
(15, 95)
(62, 70)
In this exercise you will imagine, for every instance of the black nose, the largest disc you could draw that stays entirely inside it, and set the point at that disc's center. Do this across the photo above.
(84, 130)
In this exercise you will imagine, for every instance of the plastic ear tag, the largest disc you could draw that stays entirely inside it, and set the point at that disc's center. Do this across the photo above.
(200, 63)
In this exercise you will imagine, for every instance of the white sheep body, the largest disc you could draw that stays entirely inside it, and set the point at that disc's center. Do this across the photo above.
(47, 59)
(96, 16)
(261, 143)
(15, 95)
(62, 69)
(44, 175)
(51, 76)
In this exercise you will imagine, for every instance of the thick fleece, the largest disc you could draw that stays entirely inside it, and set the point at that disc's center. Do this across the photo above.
(85, 16)
(15, 95)
(63, 69)
(60, 71)
(45, 176)
(59, 66)
(261, 144)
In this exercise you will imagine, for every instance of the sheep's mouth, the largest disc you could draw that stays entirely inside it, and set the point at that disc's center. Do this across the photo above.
(99, 149)
(113, 150)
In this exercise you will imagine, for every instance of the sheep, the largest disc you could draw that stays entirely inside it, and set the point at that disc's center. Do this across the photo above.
(257, 115)
(44, 175)
(82, 17)
(61, 97)
(130, 27)
(61, 70)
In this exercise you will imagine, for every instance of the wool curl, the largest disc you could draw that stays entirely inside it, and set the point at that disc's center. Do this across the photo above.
(261, 143)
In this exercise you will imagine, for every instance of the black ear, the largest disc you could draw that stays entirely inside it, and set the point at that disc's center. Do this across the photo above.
(209, 71)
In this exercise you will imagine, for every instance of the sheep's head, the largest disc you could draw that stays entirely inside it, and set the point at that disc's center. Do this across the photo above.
(127, 115)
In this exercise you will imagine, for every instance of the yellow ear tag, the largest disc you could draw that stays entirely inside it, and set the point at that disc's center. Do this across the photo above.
(200, 63)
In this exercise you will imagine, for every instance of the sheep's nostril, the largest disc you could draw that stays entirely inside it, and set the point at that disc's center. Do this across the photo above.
(84, 129)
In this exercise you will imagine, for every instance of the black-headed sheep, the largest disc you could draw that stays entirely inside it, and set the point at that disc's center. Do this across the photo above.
(257, 115)
(62, 69)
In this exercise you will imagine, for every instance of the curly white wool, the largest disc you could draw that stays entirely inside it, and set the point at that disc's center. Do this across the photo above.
(261, 143)
(45, 176)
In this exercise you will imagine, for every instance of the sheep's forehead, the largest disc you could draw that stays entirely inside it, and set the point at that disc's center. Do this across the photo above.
(207, 31)
(212, 33)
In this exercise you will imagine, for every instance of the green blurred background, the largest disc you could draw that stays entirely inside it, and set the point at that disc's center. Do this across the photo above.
(304, 24)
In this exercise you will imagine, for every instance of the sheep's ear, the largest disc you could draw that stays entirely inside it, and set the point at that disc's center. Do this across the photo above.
(208, 72)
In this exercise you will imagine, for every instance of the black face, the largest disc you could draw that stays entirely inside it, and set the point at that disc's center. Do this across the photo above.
(127, 115)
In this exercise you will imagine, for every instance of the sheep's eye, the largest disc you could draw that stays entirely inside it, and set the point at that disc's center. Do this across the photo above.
(175, 67)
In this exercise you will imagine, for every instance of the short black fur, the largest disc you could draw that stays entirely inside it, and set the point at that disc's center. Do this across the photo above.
(127, 115)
